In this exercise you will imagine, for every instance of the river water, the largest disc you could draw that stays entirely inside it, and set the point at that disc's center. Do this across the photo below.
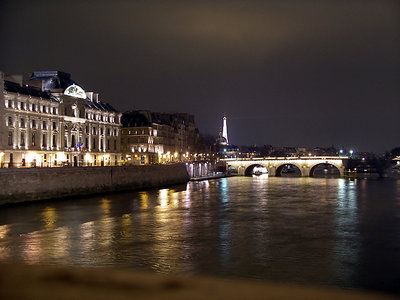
(313, 231)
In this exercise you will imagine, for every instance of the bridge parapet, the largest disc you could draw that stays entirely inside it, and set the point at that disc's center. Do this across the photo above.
(306, 164)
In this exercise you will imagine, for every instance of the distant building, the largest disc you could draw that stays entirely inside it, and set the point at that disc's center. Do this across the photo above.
(151, 137)
(50, 121)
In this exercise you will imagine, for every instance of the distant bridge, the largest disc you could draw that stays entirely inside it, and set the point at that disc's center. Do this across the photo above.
(275, 165)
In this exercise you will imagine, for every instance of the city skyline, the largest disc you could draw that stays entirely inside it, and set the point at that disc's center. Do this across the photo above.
(286, 74)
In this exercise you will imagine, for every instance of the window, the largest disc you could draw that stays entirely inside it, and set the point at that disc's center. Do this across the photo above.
(87, 129)
(44, 109)
(101, 131)
(108, 144)
(73, 142)
(23, 105)
(9, 104)
(94, 143)
(54, 140)
(22, 123)
(86, 142)
(33, 107)
(10, 121)
(54, 126)
(44, 125)
(115, 145)
(122, 140)
(55, 110)
(10, 138)
(44, 144)
(33, 139)
(22, 141)
(94, 130)
(33, 123)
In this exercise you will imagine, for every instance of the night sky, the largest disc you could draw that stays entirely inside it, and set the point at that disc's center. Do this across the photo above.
(286, 73)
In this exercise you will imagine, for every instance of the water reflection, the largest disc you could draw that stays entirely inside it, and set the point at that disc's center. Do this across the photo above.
(347, 233)
(49, 217)
(298, 230)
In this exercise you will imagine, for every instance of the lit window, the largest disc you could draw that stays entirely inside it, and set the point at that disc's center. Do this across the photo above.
(33, 139)
(44, 140)
(22, 141)
(10, 138)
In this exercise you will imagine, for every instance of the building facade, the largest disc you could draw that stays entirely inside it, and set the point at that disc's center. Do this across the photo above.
(50, 121)
(151, 137)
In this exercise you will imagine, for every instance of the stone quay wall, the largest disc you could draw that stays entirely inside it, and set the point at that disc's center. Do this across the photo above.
(23, 185)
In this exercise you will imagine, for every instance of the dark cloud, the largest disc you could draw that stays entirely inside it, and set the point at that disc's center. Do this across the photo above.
(285, 72)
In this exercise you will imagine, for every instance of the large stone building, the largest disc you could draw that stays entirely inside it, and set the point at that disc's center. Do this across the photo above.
(151, 137)
(49, 120)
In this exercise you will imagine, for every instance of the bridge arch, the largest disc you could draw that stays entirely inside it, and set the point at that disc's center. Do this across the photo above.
(330, 170)
(250, 169)
(232, 170)
(289, 168)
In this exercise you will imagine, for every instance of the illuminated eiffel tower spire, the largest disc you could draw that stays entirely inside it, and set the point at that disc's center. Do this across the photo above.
(225, 130)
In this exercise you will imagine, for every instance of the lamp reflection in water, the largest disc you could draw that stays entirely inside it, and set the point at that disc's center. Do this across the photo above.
(347, 221)
(167, 248)
(4, 250)
(49, 217)
(144, 199)
(106, 225)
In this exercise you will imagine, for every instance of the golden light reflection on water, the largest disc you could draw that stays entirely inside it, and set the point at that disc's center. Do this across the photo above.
(105, 206)
(87, 236)
(58, 243)
(144, 199)
(106, 224)
(49, 217)
(126, 226)
(166, 250)
(163, 198)
(4, 250)
(4, 229)
(32, 249)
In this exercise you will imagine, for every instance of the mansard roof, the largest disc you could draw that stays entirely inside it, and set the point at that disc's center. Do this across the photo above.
(14, 87)
(99, 105)
(53, 79)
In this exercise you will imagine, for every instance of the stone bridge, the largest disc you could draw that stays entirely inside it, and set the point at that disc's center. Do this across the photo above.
(274, 165)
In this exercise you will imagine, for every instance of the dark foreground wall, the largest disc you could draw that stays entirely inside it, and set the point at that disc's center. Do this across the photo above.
(21, 185)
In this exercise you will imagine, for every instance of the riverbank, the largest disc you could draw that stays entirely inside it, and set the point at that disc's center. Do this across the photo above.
(34, 184)
(215, 176)
(44, 282)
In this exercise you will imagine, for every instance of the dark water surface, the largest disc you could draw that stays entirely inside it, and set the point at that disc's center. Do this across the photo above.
(329, 232)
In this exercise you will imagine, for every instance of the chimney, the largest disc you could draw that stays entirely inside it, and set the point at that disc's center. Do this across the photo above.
(96, 97)
(90, 95)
